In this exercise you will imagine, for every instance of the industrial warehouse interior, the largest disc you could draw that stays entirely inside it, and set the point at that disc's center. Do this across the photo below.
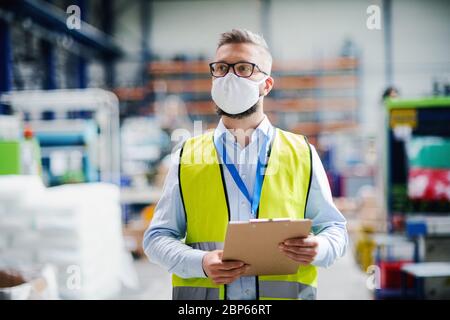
(98, 97)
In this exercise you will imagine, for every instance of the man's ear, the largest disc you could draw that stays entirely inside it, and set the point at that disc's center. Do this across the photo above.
(268, 85)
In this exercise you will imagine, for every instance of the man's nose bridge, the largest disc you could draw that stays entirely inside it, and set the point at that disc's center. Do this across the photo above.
(232, 68)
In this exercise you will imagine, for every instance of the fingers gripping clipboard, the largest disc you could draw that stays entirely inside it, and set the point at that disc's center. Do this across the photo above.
(255, 242)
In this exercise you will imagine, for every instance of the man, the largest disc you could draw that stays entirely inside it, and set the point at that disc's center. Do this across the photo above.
(245, 169)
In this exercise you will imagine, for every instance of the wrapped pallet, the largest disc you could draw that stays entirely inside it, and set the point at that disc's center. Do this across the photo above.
(77, 229)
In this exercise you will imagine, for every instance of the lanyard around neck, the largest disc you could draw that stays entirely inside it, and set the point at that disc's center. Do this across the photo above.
(253, 200)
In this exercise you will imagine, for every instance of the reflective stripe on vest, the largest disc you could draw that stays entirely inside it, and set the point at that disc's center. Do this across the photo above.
(195, 293)
(286, 290)
(267, 290)
(204, 196)
(207, 246)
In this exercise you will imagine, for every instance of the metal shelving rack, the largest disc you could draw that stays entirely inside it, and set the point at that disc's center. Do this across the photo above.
(408, 218)
(308, 97)
(427, 116)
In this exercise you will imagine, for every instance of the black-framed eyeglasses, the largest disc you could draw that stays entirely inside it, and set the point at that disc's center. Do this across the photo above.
(241, 69)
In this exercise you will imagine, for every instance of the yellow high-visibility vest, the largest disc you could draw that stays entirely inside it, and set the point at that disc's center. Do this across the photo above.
(284, 195)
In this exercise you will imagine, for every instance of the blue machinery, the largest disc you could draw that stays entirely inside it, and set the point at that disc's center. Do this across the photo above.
(96, 138)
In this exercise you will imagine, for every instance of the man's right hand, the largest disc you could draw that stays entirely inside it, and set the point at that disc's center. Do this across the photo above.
(222, 272)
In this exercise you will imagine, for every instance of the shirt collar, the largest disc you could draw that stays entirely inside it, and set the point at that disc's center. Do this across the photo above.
(265, 128)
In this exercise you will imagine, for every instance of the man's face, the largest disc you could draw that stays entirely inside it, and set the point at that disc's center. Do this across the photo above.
(246, 52)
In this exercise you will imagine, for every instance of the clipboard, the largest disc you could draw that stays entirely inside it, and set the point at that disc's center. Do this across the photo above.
(255, 242)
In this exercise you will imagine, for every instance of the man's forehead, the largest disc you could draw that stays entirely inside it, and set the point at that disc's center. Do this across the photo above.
(235, 52)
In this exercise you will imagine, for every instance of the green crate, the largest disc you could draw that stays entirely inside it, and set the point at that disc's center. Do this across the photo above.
(429, 152)
(430, 102)
(10, 161)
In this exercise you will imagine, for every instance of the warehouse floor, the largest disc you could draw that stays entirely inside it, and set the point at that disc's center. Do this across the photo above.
(343, 281)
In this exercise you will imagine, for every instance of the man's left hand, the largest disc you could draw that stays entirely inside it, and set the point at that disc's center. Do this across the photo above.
(301, 250)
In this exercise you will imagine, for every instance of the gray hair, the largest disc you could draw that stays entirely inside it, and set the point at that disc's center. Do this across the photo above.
(242, 36)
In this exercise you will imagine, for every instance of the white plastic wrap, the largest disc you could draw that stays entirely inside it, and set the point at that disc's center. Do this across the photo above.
(76, 228)
(15, 188)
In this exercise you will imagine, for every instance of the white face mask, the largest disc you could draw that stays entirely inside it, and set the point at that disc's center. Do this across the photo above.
(234, 94)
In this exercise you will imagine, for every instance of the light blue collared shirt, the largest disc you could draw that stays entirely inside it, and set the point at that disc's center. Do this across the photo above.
(162, 240)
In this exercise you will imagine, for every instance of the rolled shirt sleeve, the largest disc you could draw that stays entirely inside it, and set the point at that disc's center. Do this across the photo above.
(328, 224)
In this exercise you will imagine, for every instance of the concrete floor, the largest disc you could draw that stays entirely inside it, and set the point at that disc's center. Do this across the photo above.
(342, 281)
(155, 283)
